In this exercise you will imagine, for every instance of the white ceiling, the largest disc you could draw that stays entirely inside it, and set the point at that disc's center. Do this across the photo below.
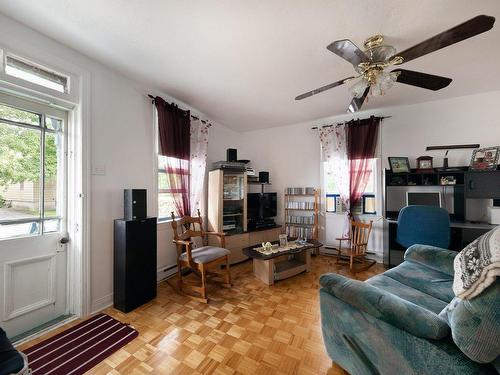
(243, 62)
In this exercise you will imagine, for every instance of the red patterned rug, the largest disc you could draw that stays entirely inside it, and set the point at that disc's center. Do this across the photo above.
(79, 348)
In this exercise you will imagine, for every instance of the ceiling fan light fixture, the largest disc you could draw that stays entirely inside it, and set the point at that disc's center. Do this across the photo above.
(358, 88)
(381, 54)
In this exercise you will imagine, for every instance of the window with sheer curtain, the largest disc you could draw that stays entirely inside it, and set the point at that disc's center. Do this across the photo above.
(167, 195)
(365, 206)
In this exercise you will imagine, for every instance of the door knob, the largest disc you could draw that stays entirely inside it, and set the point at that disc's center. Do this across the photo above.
(64, 240)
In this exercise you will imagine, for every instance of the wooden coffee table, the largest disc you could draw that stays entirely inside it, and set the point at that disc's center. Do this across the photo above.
(282, 265)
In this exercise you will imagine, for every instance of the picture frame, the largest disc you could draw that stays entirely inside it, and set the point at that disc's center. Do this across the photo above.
(485, 159)
(399, 164)
(283, 240)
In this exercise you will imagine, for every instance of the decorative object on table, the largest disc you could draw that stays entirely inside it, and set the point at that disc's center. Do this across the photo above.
(283, 240)
(399, 164)
(424, 164)
(478, 265)
(485, 159)
(448, 180)
(445, 166)
(372, 65)
(201, 260)
(267, 246)
(358, 245)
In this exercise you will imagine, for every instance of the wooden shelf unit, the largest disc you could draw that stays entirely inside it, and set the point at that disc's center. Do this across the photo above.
(310, 202)
(222, 209)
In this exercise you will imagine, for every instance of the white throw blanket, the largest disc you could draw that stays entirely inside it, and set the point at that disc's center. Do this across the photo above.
(477, 265)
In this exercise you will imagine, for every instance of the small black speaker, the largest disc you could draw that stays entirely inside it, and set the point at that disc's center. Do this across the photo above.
(496, 202)
(231, 154)
(264, 177)
(134, 204)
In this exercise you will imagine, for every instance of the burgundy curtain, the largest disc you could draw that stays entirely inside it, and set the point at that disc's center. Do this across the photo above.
(361, 144)
(174, 143)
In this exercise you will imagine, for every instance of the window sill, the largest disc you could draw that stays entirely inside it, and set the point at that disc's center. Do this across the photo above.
(165, 221)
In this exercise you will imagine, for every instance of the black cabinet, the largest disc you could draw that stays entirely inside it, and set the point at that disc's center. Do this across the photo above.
(134, 263)
(484, 184)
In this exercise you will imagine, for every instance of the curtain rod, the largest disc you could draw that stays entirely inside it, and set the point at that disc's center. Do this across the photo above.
(340, 123)
(192, 116)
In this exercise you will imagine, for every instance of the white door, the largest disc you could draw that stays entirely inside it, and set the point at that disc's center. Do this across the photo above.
(33, 259)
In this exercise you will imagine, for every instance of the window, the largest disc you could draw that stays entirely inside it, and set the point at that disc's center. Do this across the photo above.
(166, 194)
(366, 205)
(35, 74)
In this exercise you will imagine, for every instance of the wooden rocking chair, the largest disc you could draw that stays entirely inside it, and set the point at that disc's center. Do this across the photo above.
(202, 261)
(357, 246)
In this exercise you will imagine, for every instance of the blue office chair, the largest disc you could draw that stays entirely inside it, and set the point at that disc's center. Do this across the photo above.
(425, 225)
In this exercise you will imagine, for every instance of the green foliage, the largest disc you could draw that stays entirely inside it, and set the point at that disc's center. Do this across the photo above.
(20, 149)
(2, 201)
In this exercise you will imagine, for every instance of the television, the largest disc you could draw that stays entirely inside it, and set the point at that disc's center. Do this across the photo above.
(431, 198)
(261, 206)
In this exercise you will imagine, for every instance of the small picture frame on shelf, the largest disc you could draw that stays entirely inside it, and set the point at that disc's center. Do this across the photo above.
(283, 240)
(399, 164)
(485, 159)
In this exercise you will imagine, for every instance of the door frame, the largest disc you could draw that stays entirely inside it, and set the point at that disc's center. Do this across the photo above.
(78, 212)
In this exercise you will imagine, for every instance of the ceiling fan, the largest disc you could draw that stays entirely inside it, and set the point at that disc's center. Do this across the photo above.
(372, 63)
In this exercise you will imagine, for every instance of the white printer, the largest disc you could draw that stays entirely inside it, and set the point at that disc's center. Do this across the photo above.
(494, 215)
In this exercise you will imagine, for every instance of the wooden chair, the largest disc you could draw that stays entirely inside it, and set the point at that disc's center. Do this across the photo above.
(202, 261)
(358, 244)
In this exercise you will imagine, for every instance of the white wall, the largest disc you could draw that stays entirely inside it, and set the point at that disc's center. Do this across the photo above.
(122, 141)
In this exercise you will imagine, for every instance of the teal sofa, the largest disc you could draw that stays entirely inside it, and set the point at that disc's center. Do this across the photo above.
(407, 320)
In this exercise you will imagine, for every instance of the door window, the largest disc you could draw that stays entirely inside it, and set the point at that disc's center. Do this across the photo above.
(31, 178)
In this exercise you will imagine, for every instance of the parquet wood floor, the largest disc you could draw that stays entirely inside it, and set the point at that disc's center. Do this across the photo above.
(249, 329)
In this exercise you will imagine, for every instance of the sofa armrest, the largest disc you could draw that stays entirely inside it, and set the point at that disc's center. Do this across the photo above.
(433, 257)
(386, 306)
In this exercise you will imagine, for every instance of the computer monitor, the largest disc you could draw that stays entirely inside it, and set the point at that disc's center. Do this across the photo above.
(423, 198)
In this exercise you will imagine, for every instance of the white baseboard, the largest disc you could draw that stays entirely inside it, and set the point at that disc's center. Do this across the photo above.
(329, 250)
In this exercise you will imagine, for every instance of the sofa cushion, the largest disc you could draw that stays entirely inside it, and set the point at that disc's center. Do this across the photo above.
(206, 254)
(474, 324)
(407, 293)
(386, 306)
(433, 257)
(424, 279)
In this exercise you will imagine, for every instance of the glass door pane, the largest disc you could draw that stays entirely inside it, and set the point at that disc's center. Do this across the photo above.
(53, 181)
(19, 178)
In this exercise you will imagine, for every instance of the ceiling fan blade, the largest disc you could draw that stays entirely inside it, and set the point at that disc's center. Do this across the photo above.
(348, 51)
(323, 88)
(357, 103)
(424, 80)
(468, 29)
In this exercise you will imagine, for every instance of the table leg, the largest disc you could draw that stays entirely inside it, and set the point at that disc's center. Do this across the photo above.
(264, 270)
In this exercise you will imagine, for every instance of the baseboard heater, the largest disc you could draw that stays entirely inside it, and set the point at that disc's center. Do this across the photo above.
(334, 248)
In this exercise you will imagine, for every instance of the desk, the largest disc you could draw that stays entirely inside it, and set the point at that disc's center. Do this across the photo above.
(461, 234)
